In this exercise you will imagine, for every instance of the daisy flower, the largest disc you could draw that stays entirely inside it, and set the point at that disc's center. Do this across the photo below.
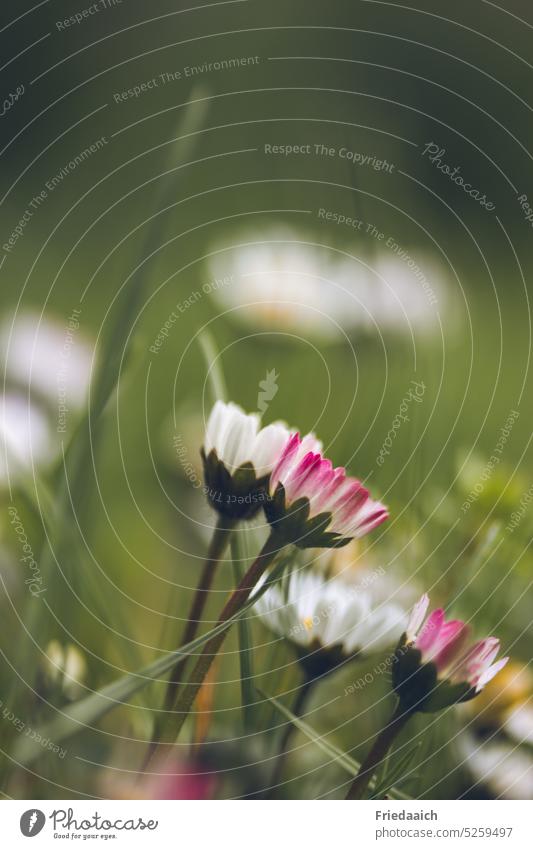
(329, 620)
(238, 456)
(314, 505)
(438, 665)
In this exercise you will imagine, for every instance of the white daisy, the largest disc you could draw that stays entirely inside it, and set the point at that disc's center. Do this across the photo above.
(238, 457)
(330, 615)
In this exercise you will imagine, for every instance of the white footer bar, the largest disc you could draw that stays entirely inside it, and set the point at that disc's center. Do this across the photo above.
(267, 824)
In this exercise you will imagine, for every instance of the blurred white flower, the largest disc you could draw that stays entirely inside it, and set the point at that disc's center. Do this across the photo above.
(25, 436)
(405, 295)
(280, 280)
(496, 742)
(46, 367)
(519, 723)
(505, 768)
(50, 357)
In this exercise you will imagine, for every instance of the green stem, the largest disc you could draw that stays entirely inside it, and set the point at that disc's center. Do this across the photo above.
(297, 709)
(238, 598)
(379, 751)
(219, 541)
(239, 553)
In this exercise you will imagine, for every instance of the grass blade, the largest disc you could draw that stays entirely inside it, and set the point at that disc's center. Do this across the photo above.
(350, 765)
(215, 376)
(345, 761)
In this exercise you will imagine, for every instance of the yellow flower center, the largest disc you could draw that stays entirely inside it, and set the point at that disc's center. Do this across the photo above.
(308, 623)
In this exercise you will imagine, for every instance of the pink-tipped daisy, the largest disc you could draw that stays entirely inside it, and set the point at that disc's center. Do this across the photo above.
(438, 665)
(314, 505)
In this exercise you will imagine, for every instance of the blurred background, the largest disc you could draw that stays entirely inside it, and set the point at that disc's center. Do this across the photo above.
(339, 194)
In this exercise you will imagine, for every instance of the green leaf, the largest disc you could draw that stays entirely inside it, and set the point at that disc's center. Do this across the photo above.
(345, 761)
(84, 713)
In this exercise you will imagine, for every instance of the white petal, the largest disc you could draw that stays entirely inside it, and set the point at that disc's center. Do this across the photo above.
(268, 446)
(418, 614)
(490, 673)
(381, 629)
(231, 433)
(216, 425)
(238, 449)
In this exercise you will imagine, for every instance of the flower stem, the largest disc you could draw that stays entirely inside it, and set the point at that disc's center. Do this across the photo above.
(379, 751)
(217, 546)
(297, 709)
(239, 552)
(238, 598)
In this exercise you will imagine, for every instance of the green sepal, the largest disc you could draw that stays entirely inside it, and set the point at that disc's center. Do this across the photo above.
(412, 680)
(239, 495)
(417, 685)
(294, 525)
(318, 661)
(446, 694)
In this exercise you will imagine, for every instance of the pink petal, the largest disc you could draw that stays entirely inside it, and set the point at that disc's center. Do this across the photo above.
(350, 509)
(473, 663)
(340, 496)
(371, 521)
(307, 483)
(350, 490)
(369, 516)
(324, 476)
(450, 644)
(430, 632)
(331, 491)
(299, 481)
(284, 461)
(330, 486)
